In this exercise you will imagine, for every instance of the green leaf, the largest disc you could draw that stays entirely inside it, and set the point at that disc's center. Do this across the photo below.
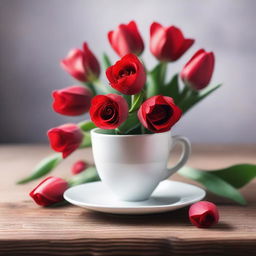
(137, 99)
(156, 80)
(194, 97)
(171, 89)
(88, 175)
(128, 99)
(213, 183)
(86, 125)
(131, 123)
(86, 140)
(237, 175)
(106, 61)
(44, 167)
(208, 91)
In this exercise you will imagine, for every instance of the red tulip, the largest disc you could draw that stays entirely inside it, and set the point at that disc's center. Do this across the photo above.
(203, 214)
(159, 113)
(82, 64)
(108, 111)
(127, 75)
(65, 138)
(78, 167)
(168, 43)
(49, 191)
(126, 39)
(197, 73)
(72, 101)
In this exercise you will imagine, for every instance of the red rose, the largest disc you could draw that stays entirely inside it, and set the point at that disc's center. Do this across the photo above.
(82, 64)
(72, 101)
(49, 191)
(78, 167)
(203, 214)
(108, 111)
(126, 39)
(127, 75)
(65, 138)
(197, 73)
(159, 113)
(168, 43)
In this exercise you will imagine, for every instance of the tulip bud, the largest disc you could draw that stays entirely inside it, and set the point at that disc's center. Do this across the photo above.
(159, 113)
(168, 43)
(82, 64)
(49, 191)
(108, 111)
(127, 75)
(72, 101)
(203, 214)
(198, 71)
(126, 39)
(65, 138)
(78, 167)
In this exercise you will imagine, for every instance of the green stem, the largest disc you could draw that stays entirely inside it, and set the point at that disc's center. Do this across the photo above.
(184, 95)
(163, 72)
(100, 87)
(91, 87)
(142, 129)
(106, 61)
(132, 99)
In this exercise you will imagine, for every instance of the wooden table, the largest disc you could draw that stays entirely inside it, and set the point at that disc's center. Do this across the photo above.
(26, 229)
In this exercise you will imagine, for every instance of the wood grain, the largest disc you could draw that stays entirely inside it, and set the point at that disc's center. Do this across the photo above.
(26, 229)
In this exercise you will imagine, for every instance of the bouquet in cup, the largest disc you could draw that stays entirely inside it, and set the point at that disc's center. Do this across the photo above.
(134, 100)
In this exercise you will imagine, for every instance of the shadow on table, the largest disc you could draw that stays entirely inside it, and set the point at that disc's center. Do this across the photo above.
(178, 218)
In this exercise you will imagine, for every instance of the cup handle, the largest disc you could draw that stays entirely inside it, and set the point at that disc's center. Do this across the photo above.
(186, 150)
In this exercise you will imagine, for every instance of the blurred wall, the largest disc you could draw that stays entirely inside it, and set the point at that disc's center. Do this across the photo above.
(35, 35)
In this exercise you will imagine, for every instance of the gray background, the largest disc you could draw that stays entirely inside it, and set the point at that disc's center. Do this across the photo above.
(35, 35)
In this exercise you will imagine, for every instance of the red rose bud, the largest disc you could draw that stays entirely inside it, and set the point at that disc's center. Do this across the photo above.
(108, 111)
(198, 71)
(65, 138)
(159, 113)
(168, 43)
(49, 191)
(81, 64)
(126, 39)
(78, 167)
(72, 101)
(203, 214)
(127, 75)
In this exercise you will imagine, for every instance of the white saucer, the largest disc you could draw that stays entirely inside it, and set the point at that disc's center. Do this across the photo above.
(168, 196)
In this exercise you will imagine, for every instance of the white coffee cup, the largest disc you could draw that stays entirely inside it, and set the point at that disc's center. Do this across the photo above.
(133, 165)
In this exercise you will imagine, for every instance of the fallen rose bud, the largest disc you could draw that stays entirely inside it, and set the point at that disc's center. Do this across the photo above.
(168, 43)
(197, 73)
(108, 111)
(127, 75)
(203, 214)
(126, 39)
(49, 191)
(65, 138)
(72, 101)
(78, 167)
(82, 64)
(159, 113)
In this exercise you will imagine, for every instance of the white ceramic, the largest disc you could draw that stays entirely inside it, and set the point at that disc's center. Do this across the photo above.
(168, 196)
(132, 166)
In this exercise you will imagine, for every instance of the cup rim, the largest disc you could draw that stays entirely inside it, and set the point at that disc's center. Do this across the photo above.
(94, 131)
